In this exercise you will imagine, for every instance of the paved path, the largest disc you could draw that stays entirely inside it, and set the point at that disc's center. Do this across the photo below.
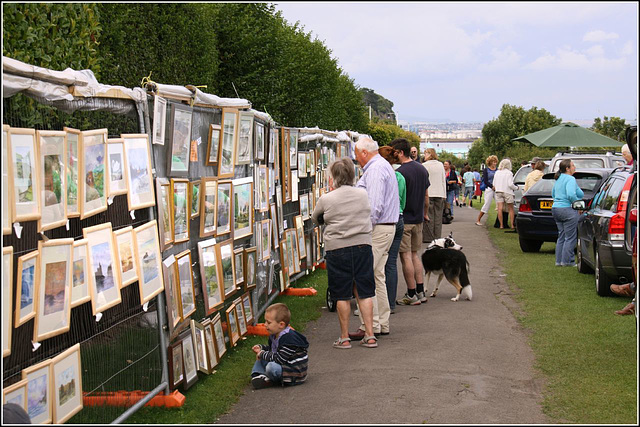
(444, 362)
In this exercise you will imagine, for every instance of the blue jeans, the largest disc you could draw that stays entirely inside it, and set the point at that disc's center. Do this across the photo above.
(567, 223)
(391, 267)
(450, 195)
(271, 369)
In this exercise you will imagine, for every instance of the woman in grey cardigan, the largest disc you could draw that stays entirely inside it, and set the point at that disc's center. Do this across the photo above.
(346, 215)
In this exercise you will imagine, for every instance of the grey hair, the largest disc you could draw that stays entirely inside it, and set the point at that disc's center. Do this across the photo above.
(342, 172)
(366, 143)
(505, 164)
(625, 149)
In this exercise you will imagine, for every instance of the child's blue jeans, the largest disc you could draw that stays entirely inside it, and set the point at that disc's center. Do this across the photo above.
(272, 370)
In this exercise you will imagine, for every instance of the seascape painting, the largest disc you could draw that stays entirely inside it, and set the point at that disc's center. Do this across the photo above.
(148, 260)
(28, 283)
(94, 171)
(54, 293)
(38, 398)
(102, 268)
(138, 170)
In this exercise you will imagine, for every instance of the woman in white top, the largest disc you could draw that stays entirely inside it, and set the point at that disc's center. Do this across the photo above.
(504, 186)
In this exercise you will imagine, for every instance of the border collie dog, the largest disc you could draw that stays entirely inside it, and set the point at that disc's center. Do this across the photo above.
(444, 257)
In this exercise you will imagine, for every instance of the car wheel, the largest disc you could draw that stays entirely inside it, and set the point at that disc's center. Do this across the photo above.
(602, 280)
(331, 303)
(528, 245)
(582, 266)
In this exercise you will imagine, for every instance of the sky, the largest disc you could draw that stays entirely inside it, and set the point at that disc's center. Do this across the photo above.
(461, 62)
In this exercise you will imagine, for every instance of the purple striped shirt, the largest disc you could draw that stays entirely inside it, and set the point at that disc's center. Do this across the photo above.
(379, 180)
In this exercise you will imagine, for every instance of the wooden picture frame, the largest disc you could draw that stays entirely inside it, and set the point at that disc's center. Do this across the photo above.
(180, 209)
(52, 163)
(210, 342)
(274, 225)
(165, 218)
(179, 149)
(250, 267)
(285, 251)
(232, 325)
(279, 207)
(304, 206)
(248, 307)
(242, 207)
(103, 276)
(296, 250)
(208, 218)
(239, 266)
(244, 144)
(293, 148)
(93, 185)
(66, 376)
(285, 180)
(7, 297)
(176, 365)
(194, 198)
(218, 332)
(210, 276)
(300, 236)
(265, 239)
(117, 176)
(302, 160)
(138, 173)
(213, 146)
(185, 279)
(224, 207)
(159, 119)
(126, 257)
(273, 145)
(53, 297)
(23, 154)
(26, 287)
(242, 319)
(7, 183)
(39, 406)
(227, 271)
(200, 344)
(189, 360)
(16, 393)
(259, 149)
(80, 273)
(172, 293)
(227, 159)
(148, 257)
(263, 188)
(73, 164)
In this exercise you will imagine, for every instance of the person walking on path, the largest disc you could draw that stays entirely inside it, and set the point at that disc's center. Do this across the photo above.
(415, 214)
(468, 180)
(379, 180)
(452, 183)
(487, 180)
(565, 191)
(437, 194)
(503, 186)
(345, 213)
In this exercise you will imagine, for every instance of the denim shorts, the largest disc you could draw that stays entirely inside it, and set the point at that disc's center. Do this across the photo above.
(346, 266)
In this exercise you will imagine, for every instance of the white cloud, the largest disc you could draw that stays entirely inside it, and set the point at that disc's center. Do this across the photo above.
(599, 36)
(596, 50)
(503, 59)
(627, 49)
(567, 59)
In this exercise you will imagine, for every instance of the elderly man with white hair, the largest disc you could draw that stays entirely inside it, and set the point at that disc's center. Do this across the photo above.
(379, 180)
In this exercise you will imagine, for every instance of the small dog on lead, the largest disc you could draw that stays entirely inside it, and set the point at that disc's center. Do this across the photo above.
(444, 257)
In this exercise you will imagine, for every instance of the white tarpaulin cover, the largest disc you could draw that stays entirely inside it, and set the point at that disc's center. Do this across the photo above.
(182, 92)
(19, 68)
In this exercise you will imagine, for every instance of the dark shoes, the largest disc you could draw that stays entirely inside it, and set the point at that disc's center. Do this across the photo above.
(261, 381)
(628, 309)
(622, 290)
(359, 334)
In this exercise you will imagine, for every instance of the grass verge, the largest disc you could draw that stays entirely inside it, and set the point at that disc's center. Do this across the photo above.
(587, 354)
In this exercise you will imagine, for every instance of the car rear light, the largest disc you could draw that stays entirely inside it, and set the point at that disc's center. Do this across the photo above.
(524, 205)
(616, 227)
(624, 195)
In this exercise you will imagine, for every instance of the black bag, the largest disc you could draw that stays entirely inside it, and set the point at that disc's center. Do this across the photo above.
(505, 220)
(446, 214)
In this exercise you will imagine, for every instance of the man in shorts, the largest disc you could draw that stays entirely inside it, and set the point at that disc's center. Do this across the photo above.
(415, 214)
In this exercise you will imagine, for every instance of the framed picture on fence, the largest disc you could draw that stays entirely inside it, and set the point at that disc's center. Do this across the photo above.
(189, 360)
(227, 268)
(250, 267)
(199, 339)
(248, 307)
(7, 183)
(180, 146)
(26, 285)
(7, 297)
(263, 188)
(210, 276)
(73, 161)
(273, 145)
(66, 373)
(224, 212)
(16, 394)
(302, 161)
(52, 164)
(53, 296)
(165, 218)
(80, 273)
(126, 259)
(244, 153)
(293, 148)
(265, 239)
(227, 161)
(304, 206)
(194, 195)
(176, 367)
(213, 146)
(300, 235)
(232, 325)
(285, 179)
(239, 266)
(259, 141)
(94, 172)
(22, 152)
(221, 346)
(180, 209)
(103, 271)
(147, 255)
(137, 160)
(210, 342)
(117, 176)
(159, 119)
(242, 207)
(242, 320)
(274, 225)
(209, 192)
(185, 278)
(39, 406)
(172, 293)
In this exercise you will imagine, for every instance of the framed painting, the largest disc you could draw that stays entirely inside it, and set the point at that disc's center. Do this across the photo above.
(200, 344)
(53, 295)
(210, 342)
(248, 307)
(159, 119)
(7, 183)
(285, 180)
(279, 208)
(284, 253)
(126, 259)
(214, 145)
(172, 293)
(265, 239)
(300, 235)
(73, 158)
(103, 272)
(165, 218)
(16, 394)
(227, 160)
(308, 157)
(232, 325)
(295, 249)
(304, 206)
(302, 161)
(176, 368)
(273, 145)
(291, 242)
(66, 375)
(250, 267)
(242, 207)
(189, 360)
(263, 188)
(226, 267)
(242, 320)
(194, 198)
(221, 346)
(239, 266)
(94, 171)
(115, 156)
(180, 209)
(209, 190)
(147, 255)
(293, 148)
(52, 164)
(22, 152)
(180, 146)
(80, 273)
(274, 225)
(294, 186)
(210, 276)
(244, 149)
(7, 296)
(26, 285)
(223, 206)
(39, 407)
(259, 141)
(137, 160)
(185, 278)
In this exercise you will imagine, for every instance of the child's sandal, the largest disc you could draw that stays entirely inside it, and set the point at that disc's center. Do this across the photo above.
(340, 341)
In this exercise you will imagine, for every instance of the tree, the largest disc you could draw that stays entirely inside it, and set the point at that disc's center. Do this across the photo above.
(613, 127)
(381, 107)
(384, 133)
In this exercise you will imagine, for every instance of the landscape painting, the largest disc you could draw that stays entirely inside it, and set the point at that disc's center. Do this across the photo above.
(94, 172)
(72, 173)
(55, 287)
(102, 267)
(23, 173)
(227, 267)
(209, 272)
(242, 208)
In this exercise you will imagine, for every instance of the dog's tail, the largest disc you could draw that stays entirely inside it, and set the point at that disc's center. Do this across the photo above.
(464, 281)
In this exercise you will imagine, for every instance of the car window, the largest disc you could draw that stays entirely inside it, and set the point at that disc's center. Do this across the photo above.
(588, 163)
(613, 190)
(617, 163)
(588, 183)
(521, 175)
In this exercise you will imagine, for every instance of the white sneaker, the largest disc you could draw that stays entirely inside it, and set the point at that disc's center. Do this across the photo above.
(407, 300)
(422, 296)
(356, 312)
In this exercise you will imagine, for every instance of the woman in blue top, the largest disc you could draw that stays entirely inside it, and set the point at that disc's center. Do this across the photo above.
(565, 192)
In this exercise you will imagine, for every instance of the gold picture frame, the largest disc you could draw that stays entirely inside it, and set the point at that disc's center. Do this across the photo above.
(180, 209)
(126, 257)
(148, 257)
(117, 176)
(26, 286)
(73, 164)
(103, 276)
(93, 185)
(66, 382)
(22, 150)
(185, 279)
(228, 143)
(138, 173)
(208, 208)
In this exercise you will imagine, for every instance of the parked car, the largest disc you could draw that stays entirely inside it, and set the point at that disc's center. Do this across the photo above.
(588, 160)
(519, 180)
(601, 232)
(534, 221)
